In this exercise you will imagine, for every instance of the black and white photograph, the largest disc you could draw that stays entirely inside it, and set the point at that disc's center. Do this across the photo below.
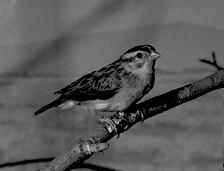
(111, 85)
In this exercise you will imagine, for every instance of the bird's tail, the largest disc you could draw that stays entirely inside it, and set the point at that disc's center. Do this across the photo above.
(55, 103)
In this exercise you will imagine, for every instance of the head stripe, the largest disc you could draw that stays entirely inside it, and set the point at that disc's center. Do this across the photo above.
(146, 48)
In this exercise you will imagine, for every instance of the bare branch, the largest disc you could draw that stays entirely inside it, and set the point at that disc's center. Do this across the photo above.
(213, 62)
(77, 153)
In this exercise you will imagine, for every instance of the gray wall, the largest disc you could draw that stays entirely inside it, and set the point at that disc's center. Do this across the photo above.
(46, 44)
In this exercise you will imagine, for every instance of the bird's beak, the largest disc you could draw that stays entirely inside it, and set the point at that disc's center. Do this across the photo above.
(155, 55)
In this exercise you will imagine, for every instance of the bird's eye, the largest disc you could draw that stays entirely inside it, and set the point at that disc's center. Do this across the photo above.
(139, 55)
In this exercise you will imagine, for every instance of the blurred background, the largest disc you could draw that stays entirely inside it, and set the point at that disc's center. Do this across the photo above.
(46, 44)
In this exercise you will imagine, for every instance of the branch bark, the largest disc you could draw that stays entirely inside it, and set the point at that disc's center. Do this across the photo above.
(83, 149)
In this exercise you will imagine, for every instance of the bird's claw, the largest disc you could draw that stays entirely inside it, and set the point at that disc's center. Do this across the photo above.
(92, 140)
(121, 116)
(110, 124)
(141, 114)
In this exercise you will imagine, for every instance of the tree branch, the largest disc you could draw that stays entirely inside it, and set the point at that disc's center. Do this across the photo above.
(83, 149)
(213, 62)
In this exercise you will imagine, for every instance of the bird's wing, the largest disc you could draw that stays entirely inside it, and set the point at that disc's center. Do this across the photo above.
(101, 84)
(74, 84)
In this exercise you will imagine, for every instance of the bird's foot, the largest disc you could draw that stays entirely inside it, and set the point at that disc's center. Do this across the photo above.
(92, 140)
(122, 118)
(141, 114)
(110, 124)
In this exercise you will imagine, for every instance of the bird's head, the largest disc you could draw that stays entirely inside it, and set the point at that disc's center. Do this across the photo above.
(140, 58)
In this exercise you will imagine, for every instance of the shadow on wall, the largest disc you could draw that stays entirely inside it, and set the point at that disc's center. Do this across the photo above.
(43, 160)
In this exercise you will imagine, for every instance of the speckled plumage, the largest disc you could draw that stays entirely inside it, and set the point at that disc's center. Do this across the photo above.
(114, 87)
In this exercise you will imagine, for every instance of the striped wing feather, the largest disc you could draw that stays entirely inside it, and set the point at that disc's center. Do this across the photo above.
(101, 84)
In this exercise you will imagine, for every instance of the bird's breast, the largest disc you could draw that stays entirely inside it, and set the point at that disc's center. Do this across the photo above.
(133, 89)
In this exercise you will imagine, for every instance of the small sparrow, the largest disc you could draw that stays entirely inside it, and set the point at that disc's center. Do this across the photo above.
(113, 88)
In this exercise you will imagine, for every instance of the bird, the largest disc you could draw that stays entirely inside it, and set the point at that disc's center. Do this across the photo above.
(114, 87)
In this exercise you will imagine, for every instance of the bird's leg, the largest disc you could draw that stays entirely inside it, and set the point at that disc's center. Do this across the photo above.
(110, 124)
(121, 116)
(113, 123)
(92, 140)
(141, 113)
(117, 121)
